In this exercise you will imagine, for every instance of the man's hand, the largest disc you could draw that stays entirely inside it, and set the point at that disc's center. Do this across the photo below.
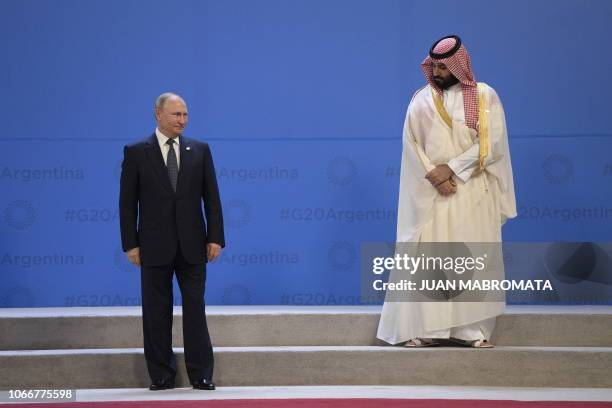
(212, 251)
(133, 255)
(447, 188)
(439, 175)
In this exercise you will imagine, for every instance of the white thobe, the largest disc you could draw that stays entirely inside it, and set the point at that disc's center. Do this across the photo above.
(475, 213)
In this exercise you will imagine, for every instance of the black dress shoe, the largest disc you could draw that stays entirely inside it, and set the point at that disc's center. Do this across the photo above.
(203, 384)
(161, 385)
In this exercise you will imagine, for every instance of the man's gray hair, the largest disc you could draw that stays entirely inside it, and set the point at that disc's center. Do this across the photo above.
(161, 99)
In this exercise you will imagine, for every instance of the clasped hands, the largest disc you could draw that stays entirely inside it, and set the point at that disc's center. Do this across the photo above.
(441, 178)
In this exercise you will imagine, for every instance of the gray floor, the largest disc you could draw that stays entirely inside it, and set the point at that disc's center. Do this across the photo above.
(296, 346)
(256, 309)
(403, 392)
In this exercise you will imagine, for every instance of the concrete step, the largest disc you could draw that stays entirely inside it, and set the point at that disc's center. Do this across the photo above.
(251, 326)
(321, 365)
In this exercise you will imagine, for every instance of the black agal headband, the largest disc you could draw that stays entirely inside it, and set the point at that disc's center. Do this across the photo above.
(449, 53)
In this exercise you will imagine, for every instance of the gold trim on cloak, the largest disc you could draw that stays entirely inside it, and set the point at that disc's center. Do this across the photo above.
(483, 121)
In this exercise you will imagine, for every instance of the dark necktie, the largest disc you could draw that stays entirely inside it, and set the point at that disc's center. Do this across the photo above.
(172, 164)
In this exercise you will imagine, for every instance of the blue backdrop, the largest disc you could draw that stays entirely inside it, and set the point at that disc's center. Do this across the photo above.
(302, 102)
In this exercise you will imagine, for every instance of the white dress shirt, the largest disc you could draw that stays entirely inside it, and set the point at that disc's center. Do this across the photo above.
(165, 148)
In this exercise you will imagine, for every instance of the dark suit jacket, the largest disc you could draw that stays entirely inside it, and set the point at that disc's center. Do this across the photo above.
(154, 217)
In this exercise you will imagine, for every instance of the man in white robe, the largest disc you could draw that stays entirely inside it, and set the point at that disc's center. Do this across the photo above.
(455, 186)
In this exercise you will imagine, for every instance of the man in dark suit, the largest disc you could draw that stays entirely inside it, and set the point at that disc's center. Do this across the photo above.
(164, 179)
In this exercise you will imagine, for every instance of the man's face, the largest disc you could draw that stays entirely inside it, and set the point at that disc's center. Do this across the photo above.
(442, 75)
(172, 117)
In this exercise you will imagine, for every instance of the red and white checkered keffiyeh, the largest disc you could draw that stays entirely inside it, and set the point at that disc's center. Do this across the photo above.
(460, 66)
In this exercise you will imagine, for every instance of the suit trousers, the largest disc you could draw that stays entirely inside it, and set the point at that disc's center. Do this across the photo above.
(157, 305)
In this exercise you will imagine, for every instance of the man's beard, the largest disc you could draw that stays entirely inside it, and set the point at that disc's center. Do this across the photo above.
(447, 82)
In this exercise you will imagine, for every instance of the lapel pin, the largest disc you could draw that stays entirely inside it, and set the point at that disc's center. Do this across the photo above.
(188, 148)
